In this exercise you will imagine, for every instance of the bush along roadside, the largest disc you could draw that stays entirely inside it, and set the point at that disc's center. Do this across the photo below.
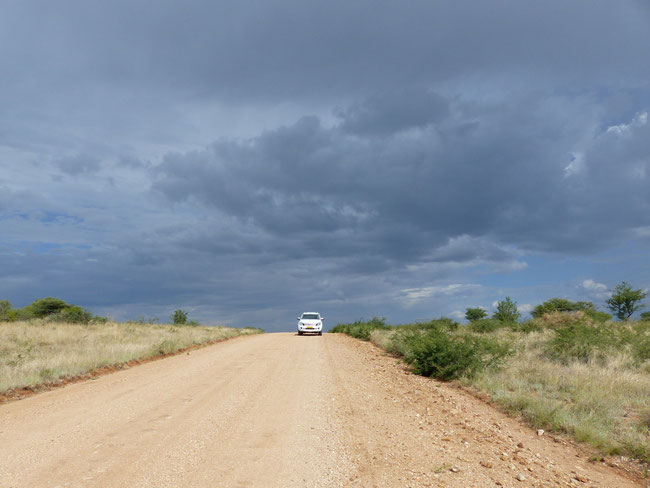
(438, 353)
(563, 371)
(362, 329)
(440, 348)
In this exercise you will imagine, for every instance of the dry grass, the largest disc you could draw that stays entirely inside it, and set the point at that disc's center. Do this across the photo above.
(382, 338)
(37, 352)
(605, 401)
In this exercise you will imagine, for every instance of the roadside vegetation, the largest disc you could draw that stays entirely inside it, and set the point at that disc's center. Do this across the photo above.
(569, 369)
(64, 342)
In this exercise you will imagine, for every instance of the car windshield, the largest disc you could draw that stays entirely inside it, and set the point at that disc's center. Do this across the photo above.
(310, 316)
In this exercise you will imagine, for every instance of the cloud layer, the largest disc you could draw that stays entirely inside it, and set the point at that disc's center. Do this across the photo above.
(245, 162)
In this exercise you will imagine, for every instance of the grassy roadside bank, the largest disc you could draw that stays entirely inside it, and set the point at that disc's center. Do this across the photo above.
(37, 352)
(563, 373)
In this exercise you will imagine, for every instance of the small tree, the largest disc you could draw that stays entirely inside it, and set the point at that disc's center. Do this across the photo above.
(625, 301)
(476, 313)
(46, 306)
(645, 316)
(564, 305)
(561, 305)
(507, 311)
(179, 317)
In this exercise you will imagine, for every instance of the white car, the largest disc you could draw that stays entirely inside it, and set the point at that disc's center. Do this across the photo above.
(310, 322)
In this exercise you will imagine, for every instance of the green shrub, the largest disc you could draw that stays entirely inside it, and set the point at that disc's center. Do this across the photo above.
(165, 347)
(645, 316)
(74, 314)
(45, 306)
(579, 341)
(142, 320)
(639, 338)
(553, 320)
(527, 327)
(361, 329)
(444, 323)
(179, 317)
(582, 340)
(641, 349)
(476, 313)
(485, 325)
(5, 310)
(258, 329)
(445, 356)
(597, 315)
(561, 305)
(23, 313)
(51, 309)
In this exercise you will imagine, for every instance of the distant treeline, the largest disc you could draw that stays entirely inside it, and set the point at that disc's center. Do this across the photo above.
(57, 310)
(48, 308)
(623, 303)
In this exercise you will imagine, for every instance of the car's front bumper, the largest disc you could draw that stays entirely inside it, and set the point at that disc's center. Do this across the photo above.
(310, 328)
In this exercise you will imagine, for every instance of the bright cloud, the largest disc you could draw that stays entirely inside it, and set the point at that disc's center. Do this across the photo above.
(639, 120)
(592, 285)
(411, 296)
(525, 308)
(599, 291)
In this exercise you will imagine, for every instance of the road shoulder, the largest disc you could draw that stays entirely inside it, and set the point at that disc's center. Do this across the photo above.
(407, 430)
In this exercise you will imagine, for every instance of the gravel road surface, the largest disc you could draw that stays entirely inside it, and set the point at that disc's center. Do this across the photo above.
(278, 410)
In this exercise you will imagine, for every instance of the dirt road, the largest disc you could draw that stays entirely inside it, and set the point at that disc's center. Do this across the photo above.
(277, 410)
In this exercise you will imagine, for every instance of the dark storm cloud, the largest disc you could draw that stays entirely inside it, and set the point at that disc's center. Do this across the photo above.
(382, 150)
(473, 170)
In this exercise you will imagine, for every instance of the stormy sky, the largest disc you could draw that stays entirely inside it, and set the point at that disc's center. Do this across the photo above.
(247, 161)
